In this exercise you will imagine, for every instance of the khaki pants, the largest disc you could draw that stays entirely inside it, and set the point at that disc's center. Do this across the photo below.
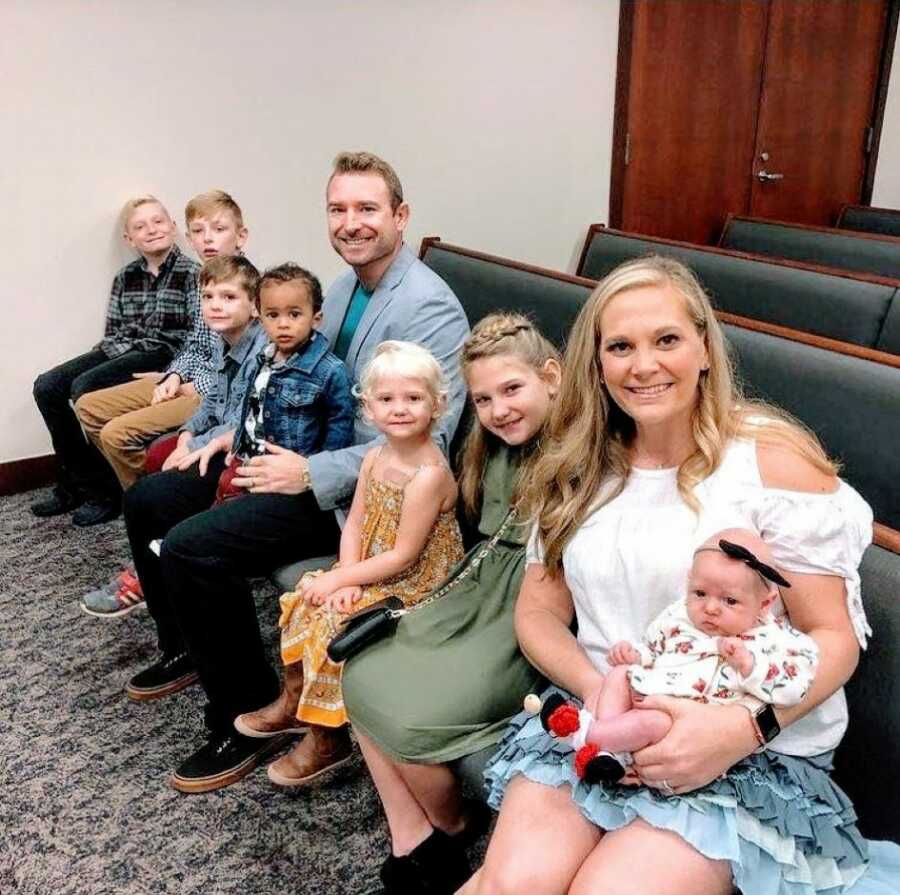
(122, 422)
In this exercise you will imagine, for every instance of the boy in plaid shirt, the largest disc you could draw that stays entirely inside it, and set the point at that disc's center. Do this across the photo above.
(124, 419)
(148, 319)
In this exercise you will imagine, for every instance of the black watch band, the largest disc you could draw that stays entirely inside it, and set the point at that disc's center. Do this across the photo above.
(766, 723)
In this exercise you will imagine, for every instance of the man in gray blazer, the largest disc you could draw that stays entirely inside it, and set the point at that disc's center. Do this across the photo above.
(207, 556)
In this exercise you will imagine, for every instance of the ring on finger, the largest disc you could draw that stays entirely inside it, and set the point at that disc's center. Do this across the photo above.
(667, 787)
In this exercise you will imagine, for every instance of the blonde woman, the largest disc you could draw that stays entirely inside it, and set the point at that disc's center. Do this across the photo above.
(650, 448)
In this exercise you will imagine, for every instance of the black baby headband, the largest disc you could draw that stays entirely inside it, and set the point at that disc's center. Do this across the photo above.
(742, 554)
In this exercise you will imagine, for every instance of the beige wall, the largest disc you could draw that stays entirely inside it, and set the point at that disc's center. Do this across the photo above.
(886, 189)
(497, 115)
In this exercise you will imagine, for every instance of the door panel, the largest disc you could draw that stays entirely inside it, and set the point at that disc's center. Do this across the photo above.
(693, 100)
(821, 72)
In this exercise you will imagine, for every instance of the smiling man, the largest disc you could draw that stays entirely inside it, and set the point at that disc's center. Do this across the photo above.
(206, 558)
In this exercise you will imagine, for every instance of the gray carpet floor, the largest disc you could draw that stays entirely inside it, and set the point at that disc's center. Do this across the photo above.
(85, 808)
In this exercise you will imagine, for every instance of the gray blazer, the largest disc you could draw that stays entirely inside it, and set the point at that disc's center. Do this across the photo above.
(412, 303)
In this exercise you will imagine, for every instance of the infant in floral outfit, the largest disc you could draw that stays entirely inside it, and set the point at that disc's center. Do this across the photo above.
(720, 643)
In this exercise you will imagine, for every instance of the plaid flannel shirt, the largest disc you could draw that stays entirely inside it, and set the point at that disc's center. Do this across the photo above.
(194, 362)
(147, 312)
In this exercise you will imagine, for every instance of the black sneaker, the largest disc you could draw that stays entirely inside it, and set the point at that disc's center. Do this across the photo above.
(60, 501)
(96, 512)
(225, 759)
(169, 675)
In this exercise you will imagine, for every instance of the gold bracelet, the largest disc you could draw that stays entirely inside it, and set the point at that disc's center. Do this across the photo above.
(753, 723)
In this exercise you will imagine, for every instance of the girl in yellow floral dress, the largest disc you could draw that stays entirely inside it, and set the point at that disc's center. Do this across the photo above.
(400, 539)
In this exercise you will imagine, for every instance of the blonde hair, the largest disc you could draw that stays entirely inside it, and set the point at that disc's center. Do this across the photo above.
(411, 361)
(368, 163)
(499, 334)
(588, 435)
(208, 203)
(133, 204)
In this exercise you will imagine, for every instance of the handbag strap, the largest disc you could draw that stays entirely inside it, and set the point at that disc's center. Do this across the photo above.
(464, 572)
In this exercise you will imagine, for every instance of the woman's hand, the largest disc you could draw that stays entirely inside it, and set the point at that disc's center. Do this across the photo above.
(280, 471)
(705, 740)
(318, 588)
(343, 599)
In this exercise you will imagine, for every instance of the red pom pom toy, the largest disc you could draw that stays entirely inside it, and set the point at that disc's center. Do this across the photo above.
(564, 721)
(583, 757)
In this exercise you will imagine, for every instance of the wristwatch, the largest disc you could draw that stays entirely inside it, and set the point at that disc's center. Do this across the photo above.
(765, 723)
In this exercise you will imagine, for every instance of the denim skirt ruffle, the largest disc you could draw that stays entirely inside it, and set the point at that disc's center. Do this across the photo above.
(780, 821)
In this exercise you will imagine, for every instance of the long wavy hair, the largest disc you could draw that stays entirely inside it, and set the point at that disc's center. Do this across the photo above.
(502, 333)
(584, 461)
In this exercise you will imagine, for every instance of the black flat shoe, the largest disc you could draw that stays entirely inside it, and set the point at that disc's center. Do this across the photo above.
(169, 675)
(437, 866)
(96, 512)
(60, 501)
(225, 759)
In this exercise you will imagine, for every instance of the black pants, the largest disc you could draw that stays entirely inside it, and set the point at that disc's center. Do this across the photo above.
(82, 468)
(197, 589)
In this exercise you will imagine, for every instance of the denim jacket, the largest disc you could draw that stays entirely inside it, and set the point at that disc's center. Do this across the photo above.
(233, 370)
(307, 406)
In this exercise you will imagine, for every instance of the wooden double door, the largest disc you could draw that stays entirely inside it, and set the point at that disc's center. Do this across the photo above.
(763, 107)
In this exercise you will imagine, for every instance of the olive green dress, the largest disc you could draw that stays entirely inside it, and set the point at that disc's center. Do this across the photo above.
(451, 676)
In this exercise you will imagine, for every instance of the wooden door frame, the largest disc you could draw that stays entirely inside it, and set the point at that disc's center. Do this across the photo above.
(620, 110)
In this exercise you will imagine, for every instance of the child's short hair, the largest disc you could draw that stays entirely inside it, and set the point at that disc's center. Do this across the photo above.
(231, 267)
(368, 163)
(208, 203)
(133, 204)
(395, 358)
(287, 273)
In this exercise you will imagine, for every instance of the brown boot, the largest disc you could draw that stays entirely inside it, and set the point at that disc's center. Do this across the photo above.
(321, 750)
(280, 716)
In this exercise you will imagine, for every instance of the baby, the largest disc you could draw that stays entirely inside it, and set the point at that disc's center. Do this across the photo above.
(720, 643)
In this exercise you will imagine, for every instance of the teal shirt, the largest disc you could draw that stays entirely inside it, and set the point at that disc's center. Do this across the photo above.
(358, 303)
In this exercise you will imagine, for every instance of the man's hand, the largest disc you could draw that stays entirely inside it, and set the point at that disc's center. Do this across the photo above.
(623, 653)
(280, 471)
(167, 389)
(736, 655)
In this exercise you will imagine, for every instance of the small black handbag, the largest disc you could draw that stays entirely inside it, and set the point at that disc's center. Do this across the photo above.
(381, 618)
(364, 627)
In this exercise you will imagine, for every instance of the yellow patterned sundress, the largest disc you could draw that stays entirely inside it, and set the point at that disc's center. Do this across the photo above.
(306, 630)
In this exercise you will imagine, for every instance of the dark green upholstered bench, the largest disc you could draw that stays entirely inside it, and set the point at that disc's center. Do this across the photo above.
(846, 249)
(852, 402)
(847, 306)
(867, 219)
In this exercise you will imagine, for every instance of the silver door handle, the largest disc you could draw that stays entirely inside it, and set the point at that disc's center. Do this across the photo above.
(764, 175)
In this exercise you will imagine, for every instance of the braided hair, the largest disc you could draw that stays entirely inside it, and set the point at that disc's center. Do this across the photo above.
(502, 333)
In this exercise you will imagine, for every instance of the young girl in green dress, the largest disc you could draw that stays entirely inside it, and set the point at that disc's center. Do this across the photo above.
(448, 680)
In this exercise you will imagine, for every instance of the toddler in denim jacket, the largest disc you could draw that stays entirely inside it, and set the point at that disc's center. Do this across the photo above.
(300, 396)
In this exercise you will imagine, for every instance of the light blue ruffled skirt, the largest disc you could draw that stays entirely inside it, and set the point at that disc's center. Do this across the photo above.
(780, 821)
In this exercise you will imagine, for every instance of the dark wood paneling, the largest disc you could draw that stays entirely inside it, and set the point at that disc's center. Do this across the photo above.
(17, 476)
(822, 67)
(692, 109)
(887, 57)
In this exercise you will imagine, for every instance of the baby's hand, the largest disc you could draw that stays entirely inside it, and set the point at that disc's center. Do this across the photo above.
(623, 653)
(344, 599)
(736, 655)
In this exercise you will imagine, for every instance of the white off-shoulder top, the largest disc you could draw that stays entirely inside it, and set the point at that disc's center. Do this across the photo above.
(631, 558)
